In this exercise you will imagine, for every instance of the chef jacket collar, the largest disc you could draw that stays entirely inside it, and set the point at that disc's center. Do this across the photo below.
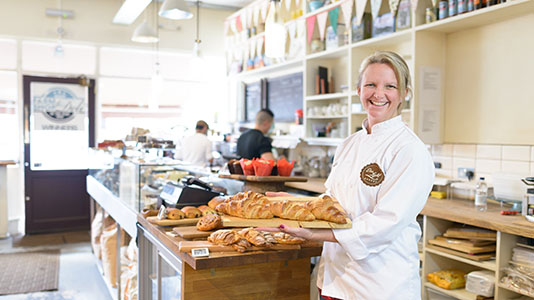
(383, 127)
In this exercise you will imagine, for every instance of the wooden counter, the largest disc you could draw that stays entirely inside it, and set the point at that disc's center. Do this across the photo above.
(315, 185)
(463, 211)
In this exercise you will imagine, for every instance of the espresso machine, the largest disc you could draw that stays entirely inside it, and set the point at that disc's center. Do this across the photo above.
(528, 200)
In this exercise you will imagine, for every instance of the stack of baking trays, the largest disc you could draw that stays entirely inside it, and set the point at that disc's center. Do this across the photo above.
(469, 242)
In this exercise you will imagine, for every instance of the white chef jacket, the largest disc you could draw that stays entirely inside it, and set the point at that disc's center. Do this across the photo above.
(377, 258)
(196, 149)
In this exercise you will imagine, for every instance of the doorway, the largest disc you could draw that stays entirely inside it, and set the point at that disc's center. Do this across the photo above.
(59, 128)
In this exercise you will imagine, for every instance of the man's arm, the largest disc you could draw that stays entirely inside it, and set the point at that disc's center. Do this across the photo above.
(267, 156)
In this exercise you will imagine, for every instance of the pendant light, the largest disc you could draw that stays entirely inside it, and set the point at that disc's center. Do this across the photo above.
(196, 46)
(175, 10)
(58, 50)
(275, 33)
(144, 33)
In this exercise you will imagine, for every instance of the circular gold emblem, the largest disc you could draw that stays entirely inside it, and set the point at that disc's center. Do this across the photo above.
(372, 175)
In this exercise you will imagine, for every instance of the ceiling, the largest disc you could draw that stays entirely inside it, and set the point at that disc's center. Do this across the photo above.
(234, 3)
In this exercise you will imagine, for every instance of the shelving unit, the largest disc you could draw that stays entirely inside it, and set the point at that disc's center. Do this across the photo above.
(423, 46)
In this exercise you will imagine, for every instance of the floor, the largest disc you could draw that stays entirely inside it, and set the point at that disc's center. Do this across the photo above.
(79, 277)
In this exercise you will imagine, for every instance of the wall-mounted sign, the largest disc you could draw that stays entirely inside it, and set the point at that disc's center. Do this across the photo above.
(58, 106)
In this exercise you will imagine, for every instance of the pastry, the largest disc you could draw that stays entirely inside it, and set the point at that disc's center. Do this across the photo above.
(209, 222)
(206, 210)
(291, 210)
(191, 212)
(257, 238)
(174, 214)
(324, 208)
(216, 201)
(149, 213)
(249, 205)
(224, 237)
(287, 239)
(242, 245)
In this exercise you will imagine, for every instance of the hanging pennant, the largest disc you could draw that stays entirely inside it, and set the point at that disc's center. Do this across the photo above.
(244, 19)
(238, 24)
(233, 26)
(264, 10)
(288, 4)
(333, 15)
(321, 21)
(375, 8)
(414, 4)
(256, 15)
(297, 4)
(346, 7)
(252, 48)
(301, 28)
(226, 27)
(360, 10)
(310, 24)
(393, 5)
(250, 14)
(292, 29)
(259, 46)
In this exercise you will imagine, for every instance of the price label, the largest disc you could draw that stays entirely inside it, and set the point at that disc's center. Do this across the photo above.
(200, 252)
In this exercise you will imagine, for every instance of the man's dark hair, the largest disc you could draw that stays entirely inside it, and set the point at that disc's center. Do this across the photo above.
(264, 115)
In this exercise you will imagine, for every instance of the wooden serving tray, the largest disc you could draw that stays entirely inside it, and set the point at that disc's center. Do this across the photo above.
(191, 232)
(187, 246)
(264, 178)
(475, 257)
(231, 221)
(461, 245)
(166, 222)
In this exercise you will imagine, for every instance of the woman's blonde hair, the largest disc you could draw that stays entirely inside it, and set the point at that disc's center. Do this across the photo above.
(400, 68)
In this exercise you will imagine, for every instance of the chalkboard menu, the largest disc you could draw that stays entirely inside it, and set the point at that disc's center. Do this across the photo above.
(253, 97)
(284, 96)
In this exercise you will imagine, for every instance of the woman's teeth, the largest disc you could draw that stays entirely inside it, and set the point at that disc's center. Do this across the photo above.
(378, 103)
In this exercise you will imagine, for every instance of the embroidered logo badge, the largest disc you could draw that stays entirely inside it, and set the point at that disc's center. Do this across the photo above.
(372, 175)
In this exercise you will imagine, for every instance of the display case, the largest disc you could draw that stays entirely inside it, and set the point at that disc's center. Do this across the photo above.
(135, 182)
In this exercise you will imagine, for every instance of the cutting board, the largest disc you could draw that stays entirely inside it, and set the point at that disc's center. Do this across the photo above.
(231, 221)
(264, 178)
(166, 222)
(186, 246)
(191, 232)
(475, 257)
(464, 246)
(471, 233)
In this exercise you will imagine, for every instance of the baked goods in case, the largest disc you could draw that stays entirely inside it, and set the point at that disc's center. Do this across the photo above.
(224, 237)
(174, 214)
(287, 239)
(324, 208)
(291, 210)
(206, 210)
(191, 212)
(149, 213)
(448, 279)
(257, 238)
(216, 201)
(209, 222)
(249, 205)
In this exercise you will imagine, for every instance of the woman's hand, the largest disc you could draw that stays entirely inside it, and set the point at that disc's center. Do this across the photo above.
(323, 235)
(278, 194)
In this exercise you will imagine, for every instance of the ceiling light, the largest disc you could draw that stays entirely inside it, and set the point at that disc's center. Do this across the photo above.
(129, 11)
(175, 10)
(145, 34)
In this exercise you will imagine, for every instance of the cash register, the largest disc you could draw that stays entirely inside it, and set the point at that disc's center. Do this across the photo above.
(189, 191)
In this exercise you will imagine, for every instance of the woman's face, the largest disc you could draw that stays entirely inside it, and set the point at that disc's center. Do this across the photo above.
(379, 93)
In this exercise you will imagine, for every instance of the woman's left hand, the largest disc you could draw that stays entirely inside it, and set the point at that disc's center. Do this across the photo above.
(324, 235)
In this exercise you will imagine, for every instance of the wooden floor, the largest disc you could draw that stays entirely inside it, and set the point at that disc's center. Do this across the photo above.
(79, 278)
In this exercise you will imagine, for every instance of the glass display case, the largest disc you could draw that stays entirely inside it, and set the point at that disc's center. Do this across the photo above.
(134, 181)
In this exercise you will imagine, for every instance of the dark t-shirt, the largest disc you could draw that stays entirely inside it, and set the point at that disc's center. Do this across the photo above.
(252, 144)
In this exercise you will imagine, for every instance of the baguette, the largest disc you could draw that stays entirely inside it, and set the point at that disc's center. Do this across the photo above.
(291, 210)
(324, 208)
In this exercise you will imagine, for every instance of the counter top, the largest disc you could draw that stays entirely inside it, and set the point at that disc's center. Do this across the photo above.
(225, 259)
(463, 211)
(7, 162)
(315, 185)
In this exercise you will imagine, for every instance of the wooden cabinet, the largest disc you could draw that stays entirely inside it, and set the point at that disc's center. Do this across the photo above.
(440, 215)
(463, 68)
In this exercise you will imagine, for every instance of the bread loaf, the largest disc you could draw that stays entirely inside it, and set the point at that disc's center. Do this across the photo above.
(324, 208)
(224, 237)
(249, 205)
(174, 214)
(291, 210)
(206, 210)
(191, 212)
(287, 239)
(216, 201)
(209, 222)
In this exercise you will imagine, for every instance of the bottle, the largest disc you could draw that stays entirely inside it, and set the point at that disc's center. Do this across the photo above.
(481, 192)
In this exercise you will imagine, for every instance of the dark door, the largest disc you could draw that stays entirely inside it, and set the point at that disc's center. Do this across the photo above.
(58, 130)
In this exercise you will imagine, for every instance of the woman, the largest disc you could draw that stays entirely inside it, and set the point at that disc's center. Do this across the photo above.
(382, 177)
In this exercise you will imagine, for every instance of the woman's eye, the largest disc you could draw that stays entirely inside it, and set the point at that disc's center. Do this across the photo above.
(390, 86)
(370, 84)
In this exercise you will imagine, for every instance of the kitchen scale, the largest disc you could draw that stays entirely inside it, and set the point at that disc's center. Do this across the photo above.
(189, 191)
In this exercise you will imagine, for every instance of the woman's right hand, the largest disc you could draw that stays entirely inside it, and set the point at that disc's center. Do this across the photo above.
(278, 194)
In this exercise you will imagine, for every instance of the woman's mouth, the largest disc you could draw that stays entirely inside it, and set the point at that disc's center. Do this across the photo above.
(378, 103)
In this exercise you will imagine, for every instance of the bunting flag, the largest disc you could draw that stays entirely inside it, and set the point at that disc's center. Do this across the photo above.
(264, 9)
(321, 21)
(233, 26)
(393, 5)
(256, 15)
(259, 46)
(226, 27)
(238, 24)
(244, 19)
(288, 4)
(375, 8)
(252, 46)
(301, 28)
(414, 4)
(310, 24)
(250, 14)
(360, 10)
(346, 7)
(333, 15)
(297, 4)
(292, 29)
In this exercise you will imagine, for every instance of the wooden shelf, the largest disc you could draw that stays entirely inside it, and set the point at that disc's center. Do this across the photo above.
(461, 294)
(386, 40)
(294, 63)
(480, 17)
(326, 117)
(333, 53)
(501, 285)
(488, 265)
(326, 96)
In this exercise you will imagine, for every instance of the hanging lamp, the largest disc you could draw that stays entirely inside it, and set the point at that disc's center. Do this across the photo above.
(196, 46)
(175, 10)
(145, 34)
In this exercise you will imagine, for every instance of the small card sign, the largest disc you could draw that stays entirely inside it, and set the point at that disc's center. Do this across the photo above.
(200, 252)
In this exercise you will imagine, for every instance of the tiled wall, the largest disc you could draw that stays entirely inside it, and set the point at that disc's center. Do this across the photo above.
(485, 159)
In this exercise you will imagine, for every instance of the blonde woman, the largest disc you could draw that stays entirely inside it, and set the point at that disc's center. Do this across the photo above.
(382, 176)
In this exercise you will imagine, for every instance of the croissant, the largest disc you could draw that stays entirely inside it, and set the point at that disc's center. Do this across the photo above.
(324, 208)
(257, 238)
(284, 238)
(249, 205)
(206, 210)
(224, 237)
(242, 245)
(291, 210)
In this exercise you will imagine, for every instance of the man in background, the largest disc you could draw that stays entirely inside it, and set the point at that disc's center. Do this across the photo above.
(253, 143)
(196, 149)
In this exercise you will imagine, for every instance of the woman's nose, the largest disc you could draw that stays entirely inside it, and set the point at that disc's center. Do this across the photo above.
(378, 93)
